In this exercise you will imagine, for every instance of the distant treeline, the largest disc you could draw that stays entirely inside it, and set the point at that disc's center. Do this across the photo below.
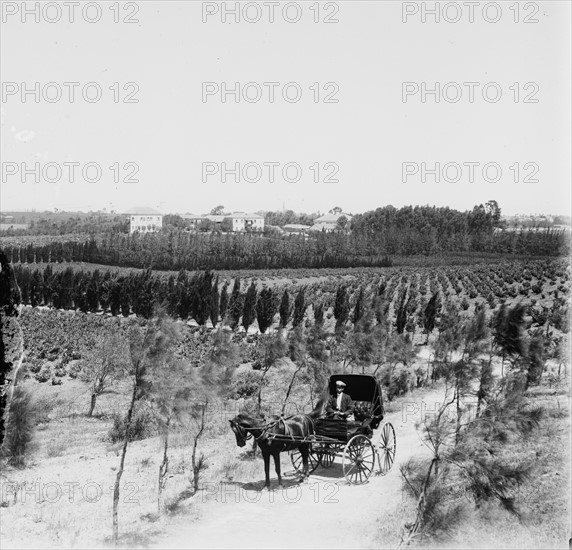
(373, 237)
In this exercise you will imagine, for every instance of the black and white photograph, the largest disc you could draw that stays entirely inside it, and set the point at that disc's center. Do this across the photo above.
(285, 274)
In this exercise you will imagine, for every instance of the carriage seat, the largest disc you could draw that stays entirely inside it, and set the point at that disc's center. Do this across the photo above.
(362, 410)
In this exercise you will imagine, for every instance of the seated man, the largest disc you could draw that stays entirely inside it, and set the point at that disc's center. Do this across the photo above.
(341, 404)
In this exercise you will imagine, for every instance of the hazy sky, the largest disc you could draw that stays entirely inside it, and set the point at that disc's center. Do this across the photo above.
(368, 134)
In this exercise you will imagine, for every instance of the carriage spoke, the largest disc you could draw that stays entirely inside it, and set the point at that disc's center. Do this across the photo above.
(387, 448)
(358, 459)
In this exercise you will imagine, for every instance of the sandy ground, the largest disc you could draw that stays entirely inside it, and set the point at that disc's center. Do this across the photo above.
(324, 512)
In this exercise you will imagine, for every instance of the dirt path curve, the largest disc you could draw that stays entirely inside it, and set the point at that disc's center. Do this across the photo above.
(325, 512)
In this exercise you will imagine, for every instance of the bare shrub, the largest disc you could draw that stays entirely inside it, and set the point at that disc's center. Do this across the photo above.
(141, 426)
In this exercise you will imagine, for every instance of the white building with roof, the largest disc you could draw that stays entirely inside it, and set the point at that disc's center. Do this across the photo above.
(246, 222)
(329, 222)
(143, 219)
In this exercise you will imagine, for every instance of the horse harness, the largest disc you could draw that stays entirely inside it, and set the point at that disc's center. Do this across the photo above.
(244, 433)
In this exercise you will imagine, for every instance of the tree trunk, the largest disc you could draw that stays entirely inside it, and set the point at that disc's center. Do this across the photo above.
(197, 466)
(459, 414)
(163, 467)
(121, 465)
(259, 397)
(92, 404)
(289, 389)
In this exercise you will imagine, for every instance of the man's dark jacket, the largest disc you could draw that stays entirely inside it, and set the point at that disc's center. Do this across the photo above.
(347, 405)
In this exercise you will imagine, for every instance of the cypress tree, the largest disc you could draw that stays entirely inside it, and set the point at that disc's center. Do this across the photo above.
(115, 296)
(265, 309)
(66, 289)
(48, 284)
(358, 308)
(249, 310)
(36, 290)
(235, 305)
(284, 309)
(92, 291)
(202, 294)
(319, 314)
(214, 303)
(299, 308)
(223, 300)
(124, 296)
(341, 306)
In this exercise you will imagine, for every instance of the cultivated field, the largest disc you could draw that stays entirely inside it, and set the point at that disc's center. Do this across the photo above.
(60, 493)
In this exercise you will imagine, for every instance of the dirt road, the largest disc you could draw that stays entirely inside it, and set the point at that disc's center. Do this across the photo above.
(325, 512)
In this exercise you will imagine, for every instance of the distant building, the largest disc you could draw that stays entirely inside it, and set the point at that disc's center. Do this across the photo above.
(143, 219)
(245, 222)
(329, 222)
(235, 222)
(193, 220)
(296, 228)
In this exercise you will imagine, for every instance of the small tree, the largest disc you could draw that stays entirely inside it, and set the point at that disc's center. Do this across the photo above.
(273, 348)
(19, 426)
(148, 346)
(508, 332)
(175, 387)
(103, 362)
(535, 360)
(430, 314)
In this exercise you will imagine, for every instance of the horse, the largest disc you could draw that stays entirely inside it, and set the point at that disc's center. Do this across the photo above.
(298, 427)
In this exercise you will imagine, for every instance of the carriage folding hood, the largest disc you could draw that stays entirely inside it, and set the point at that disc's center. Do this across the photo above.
(360, 387)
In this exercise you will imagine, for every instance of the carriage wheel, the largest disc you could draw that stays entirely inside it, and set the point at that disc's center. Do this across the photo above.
(327, 455)
(298, 463)
(387, 448)
(358, 459)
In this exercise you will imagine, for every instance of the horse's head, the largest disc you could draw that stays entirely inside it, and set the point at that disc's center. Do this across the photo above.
(240, 432)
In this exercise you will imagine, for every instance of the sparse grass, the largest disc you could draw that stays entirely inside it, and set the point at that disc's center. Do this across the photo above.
(55, 447)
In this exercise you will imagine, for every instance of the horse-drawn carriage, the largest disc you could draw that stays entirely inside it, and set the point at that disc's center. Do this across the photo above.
(315, 440)
(353, 441)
